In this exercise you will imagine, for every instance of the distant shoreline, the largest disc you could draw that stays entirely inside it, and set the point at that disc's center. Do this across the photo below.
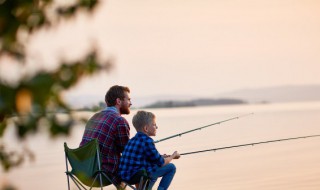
(194, 103)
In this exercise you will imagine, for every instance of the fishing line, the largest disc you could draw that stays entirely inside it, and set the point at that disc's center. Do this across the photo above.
(199, 128)
(249, 144)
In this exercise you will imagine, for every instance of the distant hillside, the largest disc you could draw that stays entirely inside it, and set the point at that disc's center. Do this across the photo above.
(192, 103)
(276, 94)
(148, 100)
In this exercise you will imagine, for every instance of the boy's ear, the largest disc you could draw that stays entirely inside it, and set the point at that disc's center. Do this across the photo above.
(145, 128)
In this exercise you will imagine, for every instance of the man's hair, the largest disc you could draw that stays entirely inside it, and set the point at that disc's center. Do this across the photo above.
(115, 92)
(142, 118)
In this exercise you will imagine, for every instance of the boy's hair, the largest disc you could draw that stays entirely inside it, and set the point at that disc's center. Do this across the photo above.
(115, 92)
(142, 118)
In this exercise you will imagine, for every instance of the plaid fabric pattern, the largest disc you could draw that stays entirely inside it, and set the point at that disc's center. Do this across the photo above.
(112, 132)
(140, 153)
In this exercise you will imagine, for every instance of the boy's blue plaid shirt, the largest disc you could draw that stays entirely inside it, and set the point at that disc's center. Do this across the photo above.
(140, 153)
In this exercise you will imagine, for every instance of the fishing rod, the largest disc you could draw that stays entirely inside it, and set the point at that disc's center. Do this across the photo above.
(219, 122)
(249, 144)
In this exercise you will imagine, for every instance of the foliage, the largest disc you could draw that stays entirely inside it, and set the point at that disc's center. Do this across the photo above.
(35, 100)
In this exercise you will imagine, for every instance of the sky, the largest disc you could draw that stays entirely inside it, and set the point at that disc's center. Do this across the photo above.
(190, 47)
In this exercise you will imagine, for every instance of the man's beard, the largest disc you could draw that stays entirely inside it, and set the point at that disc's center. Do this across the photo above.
(124, 109)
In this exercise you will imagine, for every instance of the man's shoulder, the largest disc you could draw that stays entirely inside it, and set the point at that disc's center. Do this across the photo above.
(103, 118)
(108, 114)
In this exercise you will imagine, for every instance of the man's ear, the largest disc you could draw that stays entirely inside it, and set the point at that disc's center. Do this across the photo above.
(118, 101)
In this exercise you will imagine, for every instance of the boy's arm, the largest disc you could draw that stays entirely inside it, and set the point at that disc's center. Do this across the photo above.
(168, 159)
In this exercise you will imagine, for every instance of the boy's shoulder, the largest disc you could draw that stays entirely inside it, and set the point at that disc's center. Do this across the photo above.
(142, 137)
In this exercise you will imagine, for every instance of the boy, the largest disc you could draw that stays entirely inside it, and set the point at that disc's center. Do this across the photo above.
(140, 153)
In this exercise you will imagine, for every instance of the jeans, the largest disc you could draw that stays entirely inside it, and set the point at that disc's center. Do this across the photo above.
(166, 172)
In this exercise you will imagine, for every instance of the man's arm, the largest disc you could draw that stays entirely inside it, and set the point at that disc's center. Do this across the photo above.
(122, 134)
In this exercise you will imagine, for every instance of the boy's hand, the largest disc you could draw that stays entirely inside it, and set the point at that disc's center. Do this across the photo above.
(165, 156)
(176, 155)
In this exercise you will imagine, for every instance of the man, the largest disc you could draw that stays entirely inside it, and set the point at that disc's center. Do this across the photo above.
(111, 129)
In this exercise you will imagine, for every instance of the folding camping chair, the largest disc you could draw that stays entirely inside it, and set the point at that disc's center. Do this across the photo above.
(86, 168)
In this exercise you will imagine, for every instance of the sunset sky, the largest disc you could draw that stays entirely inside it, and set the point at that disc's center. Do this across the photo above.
(189, 47)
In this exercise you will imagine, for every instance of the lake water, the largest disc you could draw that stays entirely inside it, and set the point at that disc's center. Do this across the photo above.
(293, 164)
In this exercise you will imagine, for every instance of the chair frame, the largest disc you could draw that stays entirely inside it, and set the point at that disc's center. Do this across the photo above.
(99, 174)
(78, 183)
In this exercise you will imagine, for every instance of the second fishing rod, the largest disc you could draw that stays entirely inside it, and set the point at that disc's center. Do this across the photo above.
(199, 128)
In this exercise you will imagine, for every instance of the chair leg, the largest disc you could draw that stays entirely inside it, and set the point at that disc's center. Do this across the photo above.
(77, 183)
(140, 184)
(68, 182)
(100, 176)
(132, 187)
(143, 184)
(67, 171)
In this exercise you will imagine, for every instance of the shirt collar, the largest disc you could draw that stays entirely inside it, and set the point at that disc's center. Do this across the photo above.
(143, 134)
(111, 108)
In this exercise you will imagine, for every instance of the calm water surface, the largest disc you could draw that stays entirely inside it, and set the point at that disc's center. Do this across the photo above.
(293, 165)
